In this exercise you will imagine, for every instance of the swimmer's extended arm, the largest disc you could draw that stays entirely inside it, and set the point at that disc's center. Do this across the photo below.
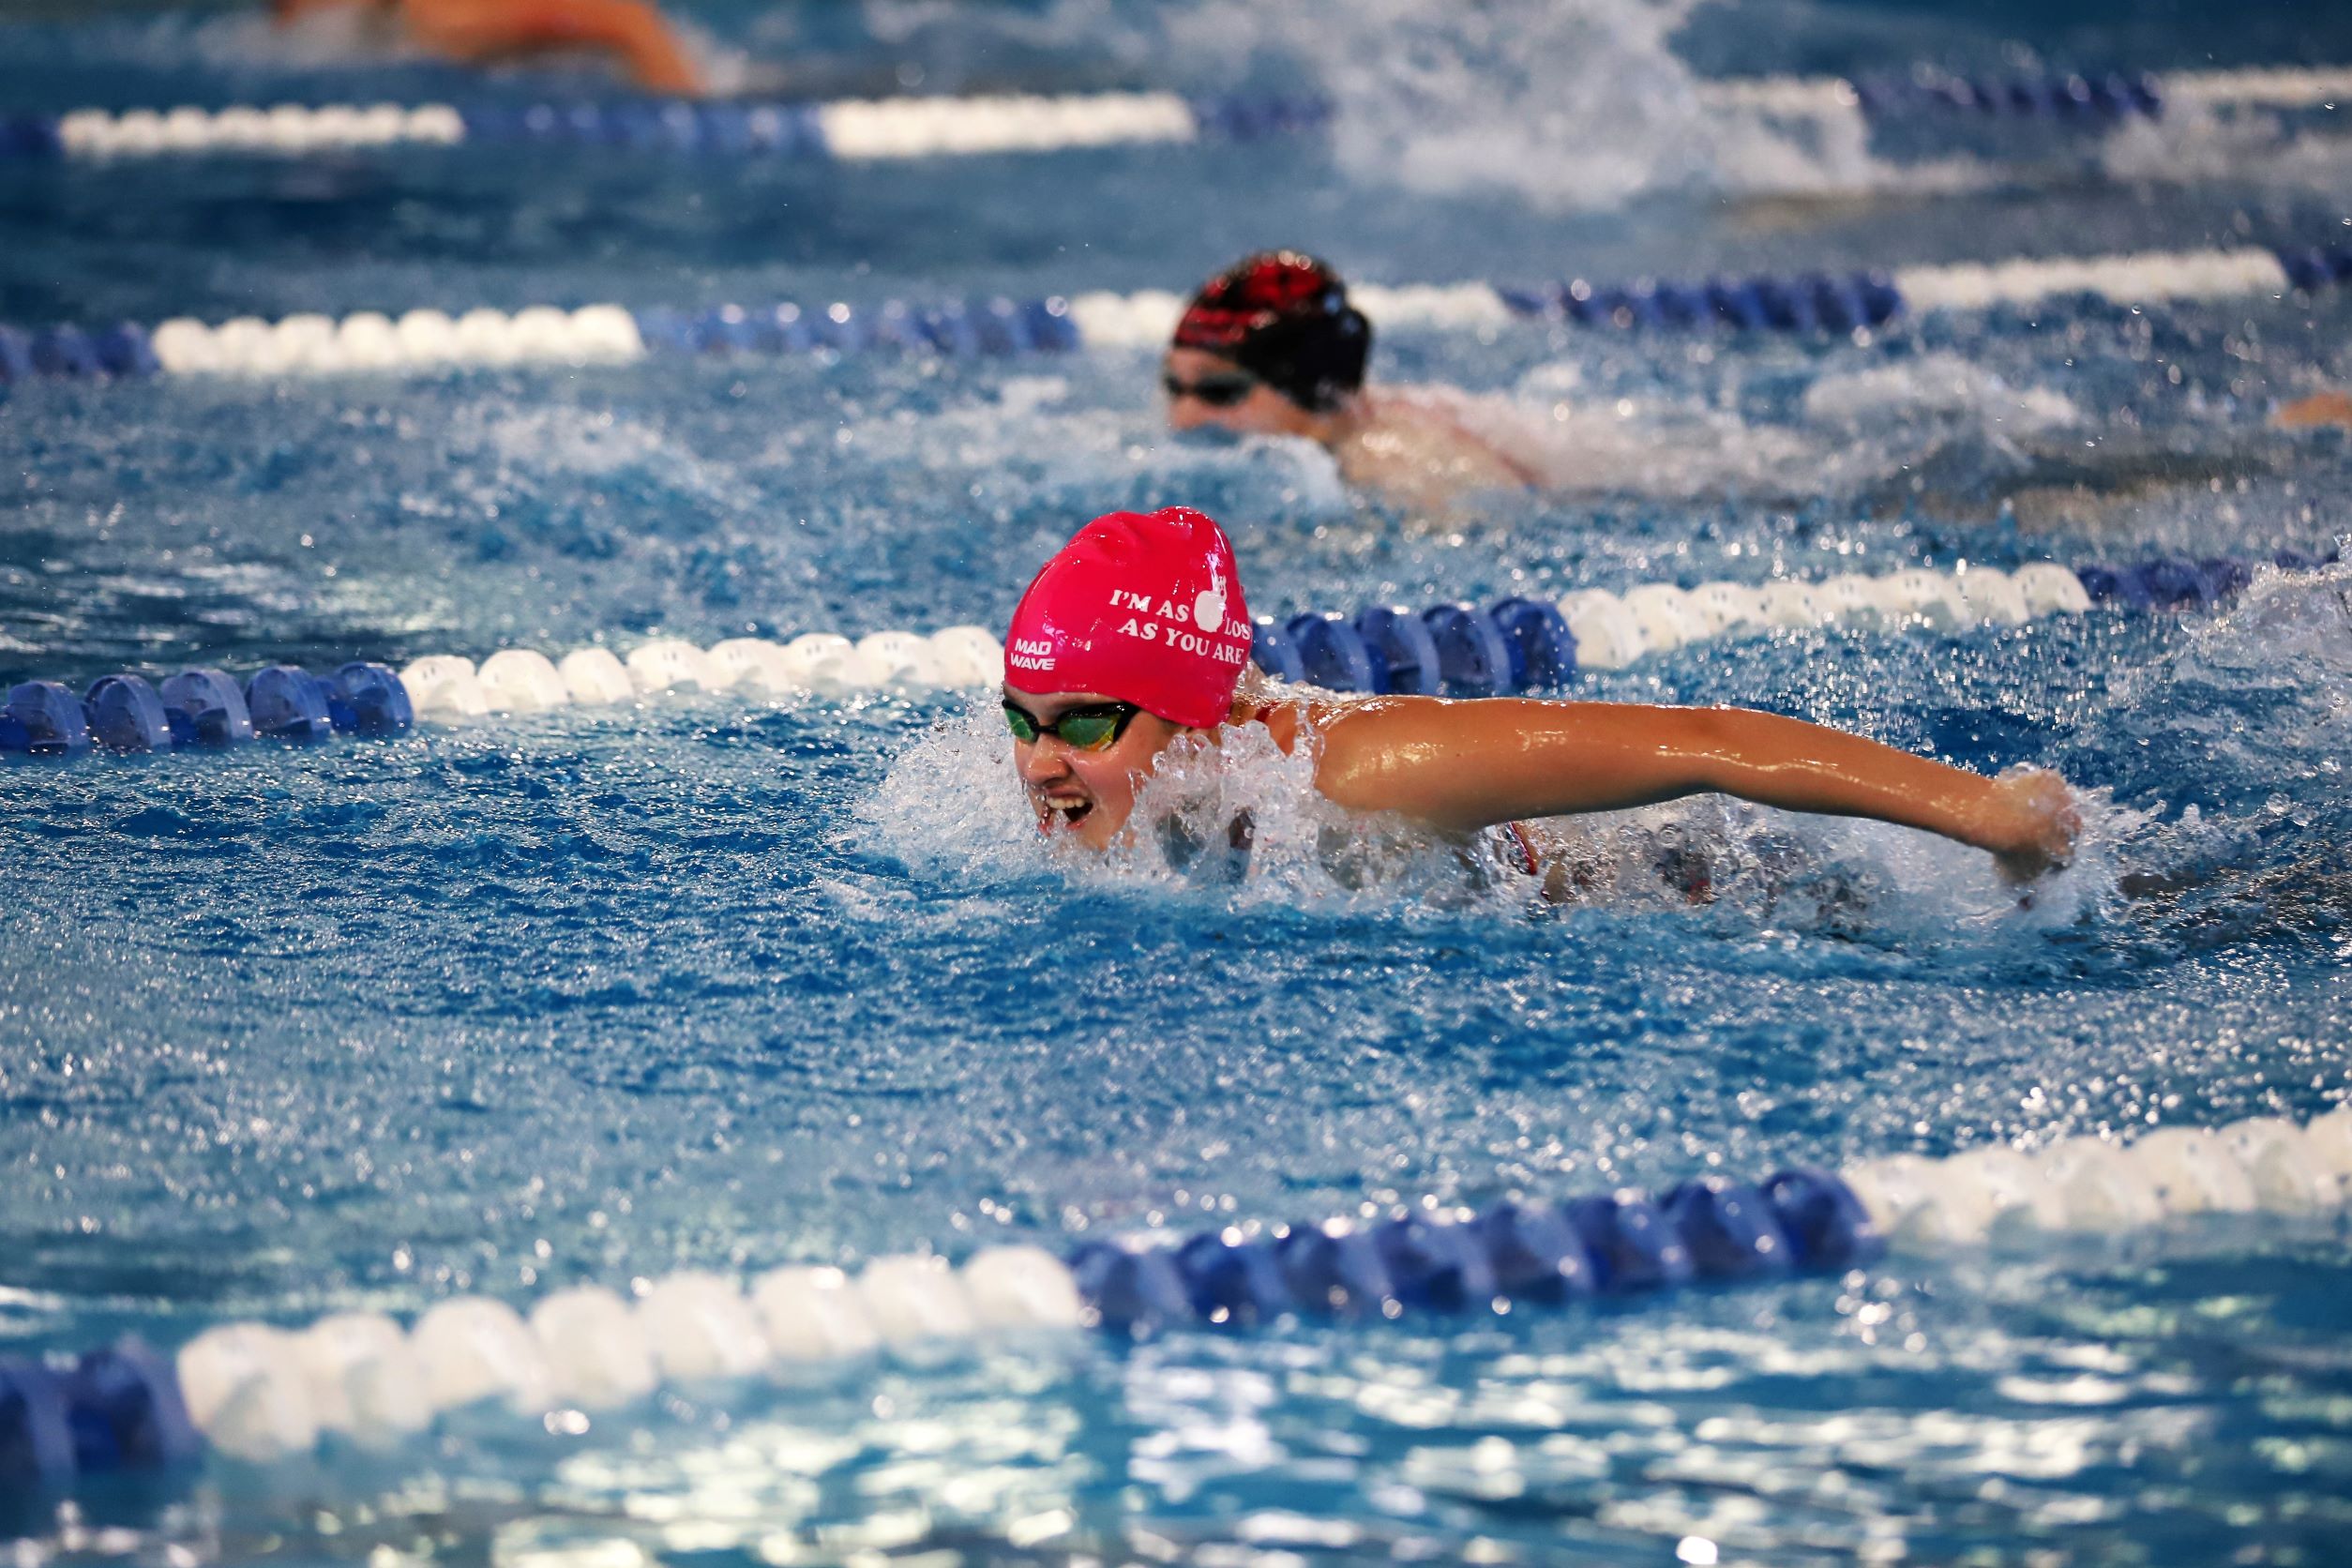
(1460, 767)
(635, 31)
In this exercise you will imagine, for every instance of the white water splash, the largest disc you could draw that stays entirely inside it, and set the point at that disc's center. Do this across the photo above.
(1571, 106)
(1031, 443)
(2193, 141)
(951, 807)
(1940, 388)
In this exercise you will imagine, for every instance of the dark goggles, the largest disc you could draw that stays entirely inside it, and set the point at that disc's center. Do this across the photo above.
(1217, 391)
(1093, 728)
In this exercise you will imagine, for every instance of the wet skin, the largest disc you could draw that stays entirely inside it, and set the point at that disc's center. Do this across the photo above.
(1087, 795)
(471, 30)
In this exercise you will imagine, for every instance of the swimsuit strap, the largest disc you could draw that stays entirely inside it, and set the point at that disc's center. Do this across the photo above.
(1529, 860)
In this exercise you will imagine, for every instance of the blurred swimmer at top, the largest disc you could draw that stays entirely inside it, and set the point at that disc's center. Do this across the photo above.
(632, 31)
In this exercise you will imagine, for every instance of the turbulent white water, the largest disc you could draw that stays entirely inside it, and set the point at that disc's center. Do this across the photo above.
(1033, 439)
(1574, 106)
(951, 807)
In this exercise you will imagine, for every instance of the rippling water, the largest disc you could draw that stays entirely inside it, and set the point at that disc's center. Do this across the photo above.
(592, 996)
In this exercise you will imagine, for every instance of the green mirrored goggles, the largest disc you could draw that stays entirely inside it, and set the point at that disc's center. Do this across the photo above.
(1096, 727)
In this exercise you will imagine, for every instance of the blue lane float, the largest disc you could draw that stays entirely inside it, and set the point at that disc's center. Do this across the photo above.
(113, 1412)
(203, 708)
(45, 720)
(1802, 302)
(2169, 582)
(37, 1449)
(2090, 100)
(124, 351)
(776, 129)
(125, 713)
(990, 328)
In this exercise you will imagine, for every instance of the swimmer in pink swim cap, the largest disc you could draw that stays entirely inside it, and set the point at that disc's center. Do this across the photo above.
(1137, 633)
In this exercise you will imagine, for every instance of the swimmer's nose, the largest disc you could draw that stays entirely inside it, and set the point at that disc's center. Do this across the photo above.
(1185, 414)
(1042, 761)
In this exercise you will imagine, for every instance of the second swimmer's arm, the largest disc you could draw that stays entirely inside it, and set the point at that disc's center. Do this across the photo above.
(1459, 766)
(631, 28)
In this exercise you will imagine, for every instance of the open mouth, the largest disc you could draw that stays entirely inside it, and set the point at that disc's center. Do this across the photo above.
(1063, 814)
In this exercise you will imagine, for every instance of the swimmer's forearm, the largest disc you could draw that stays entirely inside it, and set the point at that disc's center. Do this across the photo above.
(1798, 766)
(1460, 767)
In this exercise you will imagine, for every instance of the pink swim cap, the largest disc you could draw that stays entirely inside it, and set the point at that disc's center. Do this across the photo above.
(1145, 607)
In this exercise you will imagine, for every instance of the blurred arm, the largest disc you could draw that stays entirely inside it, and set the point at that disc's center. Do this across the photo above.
(475, 28)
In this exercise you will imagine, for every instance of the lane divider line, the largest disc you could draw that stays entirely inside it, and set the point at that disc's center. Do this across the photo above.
(2081, 98)
(853, 130)
(429, 342)
(260, 1394)
(1516, 644)
(875, 129)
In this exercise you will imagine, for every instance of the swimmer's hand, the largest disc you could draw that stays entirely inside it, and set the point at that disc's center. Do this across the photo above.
(2029, 822)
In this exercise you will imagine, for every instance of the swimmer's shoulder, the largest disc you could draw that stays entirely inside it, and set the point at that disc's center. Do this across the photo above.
(1296, 715)
(1430, 442)
(1283, 717)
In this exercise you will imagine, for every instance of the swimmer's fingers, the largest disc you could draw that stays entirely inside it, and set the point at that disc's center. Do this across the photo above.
(2039, 822)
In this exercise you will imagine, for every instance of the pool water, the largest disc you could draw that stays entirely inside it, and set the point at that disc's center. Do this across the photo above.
(592, 996)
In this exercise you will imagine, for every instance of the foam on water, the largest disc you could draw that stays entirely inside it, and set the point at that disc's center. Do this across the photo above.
(2198, 142)
(1854, 429)
(1028, 443)
(1582, 106)
(1940, 385)
(2282, 652)
(1031, 443)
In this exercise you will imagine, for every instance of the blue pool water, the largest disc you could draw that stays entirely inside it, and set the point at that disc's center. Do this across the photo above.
(593, 996)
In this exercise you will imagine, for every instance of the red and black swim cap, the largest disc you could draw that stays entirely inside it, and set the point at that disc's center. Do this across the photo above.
(1284, 318)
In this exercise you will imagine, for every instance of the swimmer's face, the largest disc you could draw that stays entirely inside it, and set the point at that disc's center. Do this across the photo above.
(1086, 794)
(1235, 399)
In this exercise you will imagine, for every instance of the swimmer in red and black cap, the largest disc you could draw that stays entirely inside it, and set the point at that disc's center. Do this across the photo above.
(1136, 634)
(1272, 346)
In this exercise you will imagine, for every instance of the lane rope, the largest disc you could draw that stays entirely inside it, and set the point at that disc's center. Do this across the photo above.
(430, 341)
(855, 130)
(873, 130)
(2088, 98)
(258, 1393)
(1516, 644)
